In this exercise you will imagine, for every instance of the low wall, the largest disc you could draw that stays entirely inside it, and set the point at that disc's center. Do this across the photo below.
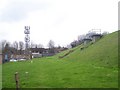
(20, 56)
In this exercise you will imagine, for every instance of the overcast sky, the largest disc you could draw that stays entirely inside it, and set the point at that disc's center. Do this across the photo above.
(58, 20)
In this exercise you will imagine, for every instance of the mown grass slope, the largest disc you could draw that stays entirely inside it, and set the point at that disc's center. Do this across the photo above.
(96, 66)
(103, 52)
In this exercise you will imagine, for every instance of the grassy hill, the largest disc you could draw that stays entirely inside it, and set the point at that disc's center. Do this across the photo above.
(96, 66)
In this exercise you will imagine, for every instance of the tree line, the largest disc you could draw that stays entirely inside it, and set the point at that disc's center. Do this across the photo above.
(20, 45)
(16, 46)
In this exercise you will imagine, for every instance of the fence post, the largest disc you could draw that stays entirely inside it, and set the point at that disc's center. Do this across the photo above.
(17, 81)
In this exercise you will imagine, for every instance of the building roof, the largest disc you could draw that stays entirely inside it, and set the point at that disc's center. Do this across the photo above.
(87, 39)
(96, 35)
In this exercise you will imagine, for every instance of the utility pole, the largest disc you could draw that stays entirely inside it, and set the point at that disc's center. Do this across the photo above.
(27, 40)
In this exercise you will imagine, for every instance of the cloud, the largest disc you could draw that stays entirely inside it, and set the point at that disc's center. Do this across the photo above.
(17, 10)
(59, 20)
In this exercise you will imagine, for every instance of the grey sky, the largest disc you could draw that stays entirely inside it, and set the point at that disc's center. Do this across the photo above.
(59, 20)
(17, 10)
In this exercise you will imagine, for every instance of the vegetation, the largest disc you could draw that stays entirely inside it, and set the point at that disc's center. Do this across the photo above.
(95, 66)
(0, 76)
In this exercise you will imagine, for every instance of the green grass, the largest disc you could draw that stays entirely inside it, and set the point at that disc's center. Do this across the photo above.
(0, 76)
(94, 67)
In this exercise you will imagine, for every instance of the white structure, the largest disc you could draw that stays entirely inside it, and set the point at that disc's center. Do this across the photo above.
(96, 37)
(36, 55)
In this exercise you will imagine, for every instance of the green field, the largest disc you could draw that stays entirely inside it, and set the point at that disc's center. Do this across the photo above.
(0, 76)
(96, 66)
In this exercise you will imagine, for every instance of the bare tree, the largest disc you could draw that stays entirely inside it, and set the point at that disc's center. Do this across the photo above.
(21, 46)
(7, 45)
(69, 46)
(51, 44)
(32, 45)
(74, 43)
(3, 43)
(15, 45)
(81, 37)
(40, 46)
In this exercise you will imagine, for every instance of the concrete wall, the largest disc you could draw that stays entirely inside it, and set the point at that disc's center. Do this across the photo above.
(86, 41)
(96, 38)
(20, 56)
(48, 54)
(36, 55)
